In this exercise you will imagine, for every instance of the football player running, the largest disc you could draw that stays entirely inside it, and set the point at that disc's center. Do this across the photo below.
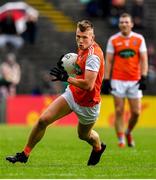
(82, 96)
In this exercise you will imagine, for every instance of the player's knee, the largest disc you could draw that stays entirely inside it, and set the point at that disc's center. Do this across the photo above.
(119, 112)
(42, 123)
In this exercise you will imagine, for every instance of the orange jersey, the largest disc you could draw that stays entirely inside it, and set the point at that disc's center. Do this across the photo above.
(126, 52)
(81, 96)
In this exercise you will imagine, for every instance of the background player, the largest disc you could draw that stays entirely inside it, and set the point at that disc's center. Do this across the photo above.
(126, 67)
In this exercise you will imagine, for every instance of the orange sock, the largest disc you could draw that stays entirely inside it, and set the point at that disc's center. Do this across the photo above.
(120, 136)
(97, 149)
(27, 150)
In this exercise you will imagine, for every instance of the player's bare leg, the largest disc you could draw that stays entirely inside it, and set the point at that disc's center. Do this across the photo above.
(89, 135)
(56, 110)
(119, 123)
(135, 108)
(86, 133)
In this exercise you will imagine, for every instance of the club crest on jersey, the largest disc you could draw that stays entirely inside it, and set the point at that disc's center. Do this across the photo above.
(135, 42)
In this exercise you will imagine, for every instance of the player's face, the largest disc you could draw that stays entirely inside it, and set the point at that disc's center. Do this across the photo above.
(84, 39)
(125, 25)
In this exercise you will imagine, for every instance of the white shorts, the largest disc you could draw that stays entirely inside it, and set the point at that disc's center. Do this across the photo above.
(129, 89)
(86, 115)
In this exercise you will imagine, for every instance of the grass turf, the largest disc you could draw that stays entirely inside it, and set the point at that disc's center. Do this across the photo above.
(61, 155)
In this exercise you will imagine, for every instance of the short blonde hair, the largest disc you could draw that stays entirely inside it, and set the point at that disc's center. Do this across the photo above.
(85, 25)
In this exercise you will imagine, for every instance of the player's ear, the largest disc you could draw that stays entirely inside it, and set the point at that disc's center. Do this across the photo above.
(93, 37)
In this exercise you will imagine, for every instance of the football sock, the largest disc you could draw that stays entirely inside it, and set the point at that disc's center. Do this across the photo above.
(27, 150)
(96, 149)
(121, 137)
(128, 131)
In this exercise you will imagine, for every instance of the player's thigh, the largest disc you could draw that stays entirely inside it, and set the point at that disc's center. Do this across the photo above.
(84, 129)
(135, 105)
(57, 109)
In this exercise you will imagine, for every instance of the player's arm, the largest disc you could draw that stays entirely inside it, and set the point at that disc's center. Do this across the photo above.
(144, 63)
(143, 58)
(91, 72)
(108, 65)
(106, 89)
(87, 83)
(109, 59)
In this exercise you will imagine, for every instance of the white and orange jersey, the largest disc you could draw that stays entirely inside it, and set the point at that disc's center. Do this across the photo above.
(126, 51)
(90, 59)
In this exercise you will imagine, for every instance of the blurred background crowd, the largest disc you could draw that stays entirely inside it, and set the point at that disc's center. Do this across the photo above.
(35, 33)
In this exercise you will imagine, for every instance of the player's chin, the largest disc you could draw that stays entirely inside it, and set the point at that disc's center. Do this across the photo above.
(82, 47)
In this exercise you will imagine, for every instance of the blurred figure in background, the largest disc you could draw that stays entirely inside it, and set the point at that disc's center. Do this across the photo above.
(105, 6)
(117, 8)
(10, 75)
(138, 13)
(31, 30)
(96, 8)
(92, 8)
(10, 72)
(9, 35)
(125, 77)
(30, 33)
(152, 64)
(18, 23)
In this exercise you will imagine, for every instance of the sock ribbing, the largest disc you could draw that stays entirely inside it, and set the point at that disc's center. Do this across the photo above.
(27, 150)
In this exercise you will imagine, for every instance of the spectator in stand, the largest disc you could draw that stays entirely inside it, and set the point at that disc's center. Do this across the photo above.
(152, 75)
(31, 24)
(96, 8)
(10, 73)
(8, 32)
(117, 8)
(105, 6)
(92, 8)
(152, 63)
(31, 29)
(138, 13)
(23, 21)
(152, 54)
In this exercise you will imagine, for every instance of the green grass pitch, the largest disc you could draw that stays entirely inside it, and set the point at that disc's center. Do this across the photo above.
(61, 155)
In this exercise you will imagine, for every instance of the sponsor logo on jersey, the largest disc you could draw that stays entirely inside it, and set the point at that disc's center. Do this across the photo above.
(127, 53)
(78, 70)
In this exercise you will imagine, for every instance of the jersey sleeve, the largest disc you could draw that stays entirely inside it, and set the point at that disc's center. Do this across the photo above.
(93, 63)
(143, 47)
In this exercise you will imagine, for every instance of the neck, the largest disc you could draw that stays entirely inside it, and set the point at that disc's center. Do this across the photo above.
(125, 34)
